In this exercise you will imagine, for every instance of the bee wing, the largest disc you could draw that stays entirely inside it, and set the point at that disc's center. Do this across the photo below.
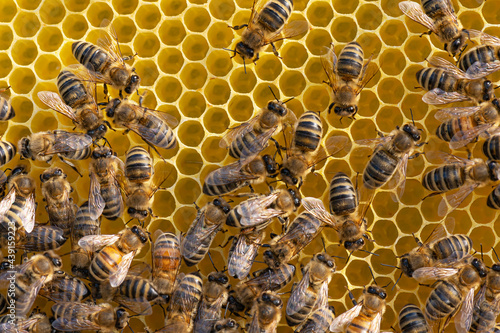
(414, 11)
(462, 138)
(340, 322)
(375, 324)
(238, 131)
(447, 66)
(142, 308)
(147, 133)
(290, 30)
(28, 213)
(69, 142)
(366, 75)
(455, 112)
(109, 42)
(489, 39)
(96, 201)
(10, 328)
(229, 174)
(372, 143)
(453, 200)
(169, 119)
(74, 324)
(7, 202)
(316, 208)
(433, 273)
(93, 243)
(336, 143)
(298, 298)
(54, 101)
(399, 178)
(329, 63)
(116, 279)
(481, 69)
(257, 211)
(440, 157)
(437, 96)
(480, 296)
(463, 319)
(438, 233)
(29, 297)
(254, 326)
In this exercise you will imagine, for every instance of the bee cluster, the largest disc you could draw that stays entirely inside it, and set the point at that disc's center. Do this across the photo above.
(107, 281)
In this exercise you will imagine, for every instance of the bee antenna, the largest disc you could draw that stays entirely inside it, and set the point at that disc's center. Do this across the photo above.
(272, 92)
(373, 276)
(288, 100)
(400, 275)
(386, 265)
(338, 257)
(129, 221)
(387, 285)
(244, 66)
(323, 241)
(481, 246)
(411, 113)
(495, 252)
(374, 254)
(210, 257)
(71, 252)
(348, 257)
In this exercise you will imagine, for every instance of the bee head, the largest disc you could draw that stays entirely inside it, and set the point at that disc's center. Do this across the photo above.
(297, 200)
(494, 170)
(480, 267)
(98, 132)
(133, 83)
(267, 297)
(377, 291)
(277, 108)
(271, 165)
(488, 91)
(19, 170)
(413, 131)
(222, 204)
(139, 232)
(457, 44)
(288, 177)
(406, 266)
(24, 148)
(121, 318)
(54, 259)
(345, 110)
(354, 245)
(245, 51)
(326, 259)
(111, 107)
(138, 213)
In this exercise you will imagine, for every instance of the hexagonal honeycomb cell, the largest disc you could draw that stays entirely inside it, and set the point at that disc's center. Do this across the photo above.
(181, 57)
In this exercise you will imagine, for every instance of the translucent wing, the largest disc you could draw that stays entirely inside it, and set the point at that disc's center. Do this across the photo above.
(456, 112)
(375, 324)
(366, 75)
(437, 96)
(399, 178)
(316, 208)
(463, 320)
(415, 12)
(238, 131)
(149, 133)
(335, 144)
(256, 210)
(438, 233)
(166, 117)
(298, 298)
(339, 323)
(96, 201)
(329, 63)
(480, 296)
(453, 200)
(256, 8)
(7, 202)
(93, 243)
(27, 215)
(462, 138)
(116, 279)
(109, 41)
(69, 142)
(142, 308)
(228, 174)
(481, 69)
(372, 143)
(489, 40)
(28, 298)
(254, 326)
(433, 273)
(440, 157)
(447, 66)
(54, 101)
(74, 324)
(290, 30)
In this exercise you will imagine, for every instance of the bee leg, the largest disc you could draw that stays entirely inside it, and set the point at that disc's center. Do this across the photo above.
(275, 51)
(426, 33)
(120, 93)
(421, 144)
(109, 126)
(415, 155)
(431, 195)
(105, 91)
(330, 107)
(351, 296)
(196, 206)
(71, 165)
(238, 27)
(227, 242)
(251, 188)
(257, 58)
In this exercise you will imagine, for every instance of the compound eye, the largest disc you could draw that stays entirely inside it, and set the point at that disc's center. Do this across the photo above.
(372, 290)
(223, 280)
(487, 84)
(329, 263)
(406, 128)
(270, 106)
(321, 257)
(135, 229)
(144, 213)
(218, 327)
(285, 172)
(277, 302)
(496, 267)
(211, 278)
(350, 109)
(295, 181)
(382, 295)
(337, 109)
(456, 44)
(347, 244)
(134, 78)
(57, 262)
(360, 241)
(265, 297)
(95, 155)
(58, 172)
(217, 202)
(230, 324)
(102, 127)
(226, 210)
(131, 210)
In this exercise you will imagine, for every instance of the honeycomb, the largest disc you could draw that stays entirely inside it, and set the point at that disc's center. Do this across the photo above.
(187, 73)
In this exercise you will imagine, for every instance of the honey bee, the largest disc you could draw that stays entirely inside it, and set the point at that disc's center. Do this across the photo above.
(117, 252)
(42, 146)
(228, 325)
(302, 155)
(366, 315)
(77, 103)
(245, 292)
(243, 252)
(105, 194)
(439, 17)
(312, 290)
(29, 278)
(197, 240)
(106, 63)
(239, 174)
(73, 316)
(266, 313)
(298, 235)
(6, 110)
(249, 139)
(486, 53)
(391, 156)
(215, 295)
(259, 210)
(36, 323)
(152, 126)
(458, 289)
(166, 261)
(487, 302)
(347, 76)
(267, 24)
(7, 151)
(84, 225)
(446, 83)
(184, 304)
(491, 147)
(412, 320)
(56, 191)
(17, 208)
(458, 173)
(64, 288)
(437, 250)
(319, 320)
(42, 238)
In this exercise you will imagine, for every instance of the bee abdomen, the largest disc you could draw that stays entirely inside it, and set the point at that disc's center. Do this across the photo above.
(90, 55)
(299, 315)
(243, 144)
(6, 110)
(83, 224)
(43, 238)
(430, 78)
(449, 128)
(114, 204)
(483, 53)
(457, 246)
(442, 301)
(105, 263)
(380, 169)
(319, 321)
(343, 199)
(491, 147)
(433, 7)
(138, 289)
(194, 250)
(7, 152)
(71, 89)
(412, 320)
(138, 165)
(444, 178)
(81, 154)
(275, 14)
(308, 132)
(359, 324)
(350, 61)
(484, 317)
(494, 198)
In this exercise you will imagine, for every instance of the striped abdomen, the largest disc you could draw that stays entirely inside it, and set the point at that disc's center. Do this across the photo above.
(66, 289)
(442, 301)
(280, 277)
(454, 246)
(12, 215)
(482, 53)
(22, 286)
(275, 14)
(430, 78)
(157, 132)
(491, 147)
(360, 324)
(71, 89)
(3, 306)
(319, 321)
(449, 128)
(219, 177)
(194, 247)
(112, 196)
(83, 224)
(242, 253)
(343, 198)
(307, 136)
(412, 320)
(42, 238)
(138, 165)
(434, 8)
(494, 198)
(91, 56)
(186, 298)
(445, 178)
(380, 168)
(62, 214)
(6, 110)
(81, 154)
(484, 317)
(7, 152)
(244, 145)
(105, 263)
(297, 313)
(138, 289)
(166, 262)
(350, 61)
